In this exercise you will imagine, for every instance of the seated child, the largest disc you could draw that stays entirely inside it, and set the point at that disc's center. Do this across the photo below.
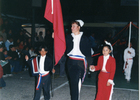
(6, 66)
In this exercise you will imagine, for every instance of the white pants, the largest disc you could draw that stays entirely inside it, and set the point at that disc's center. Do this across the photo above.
(127, 70)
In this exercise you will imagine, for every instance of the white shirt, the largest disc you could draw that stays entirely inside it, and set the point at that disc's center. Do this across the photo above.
(128, 55)
(104, 62)
(41, 65)
(76, 45)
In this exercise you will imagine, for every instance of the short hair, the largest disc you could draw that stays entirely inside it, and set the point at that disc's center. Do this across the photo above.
(1, 46)
(4, 50)
(75, 23)
(11, 46)
(43, 46)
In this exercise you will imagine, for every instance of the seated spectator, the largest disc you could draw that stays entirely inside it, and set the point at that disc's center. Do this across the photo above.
(8, 43)
(15, 62)
(3, 34)
(6, 55)
(21, 45)
(25, 51)
(21, 36)
(17, 42)
(2, 82)
(1, 41)
(40, 37)
(32, 53)
(9, 34)
(6, 66)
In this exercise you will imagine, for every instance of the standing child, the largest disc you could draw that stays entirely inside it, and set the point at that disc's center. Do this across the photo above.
(42, 66)
(107, 65)
(2, 82)
(129, 53)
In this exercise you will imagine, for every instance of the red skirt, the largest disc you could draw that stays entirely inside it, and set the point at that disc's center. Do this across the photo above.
(104, 92)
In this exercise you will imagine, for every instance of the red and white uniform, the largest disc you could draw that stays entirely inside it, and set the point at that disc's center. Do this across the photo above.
(107, 65)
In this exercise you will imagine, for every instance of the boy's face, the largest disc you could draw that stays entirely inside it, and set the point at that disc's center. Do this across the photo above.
(75, 28)
(130, 45)
(43, 52)
(13, 49)
(5, 52)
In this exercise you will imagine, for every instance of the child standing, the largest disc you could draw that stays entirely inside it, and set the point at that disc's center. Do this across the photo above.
(107, 65)
(2, 82)
(129, 53)
(42, 66)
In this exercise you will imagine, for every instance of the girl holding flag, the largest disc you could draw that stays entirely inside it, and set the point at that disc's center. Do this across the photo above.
(78, 51)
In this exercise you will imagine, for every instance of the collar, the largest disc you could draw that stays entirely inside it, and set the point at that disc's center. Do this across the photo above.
(106, 57)
(43, 56)
(73, 35)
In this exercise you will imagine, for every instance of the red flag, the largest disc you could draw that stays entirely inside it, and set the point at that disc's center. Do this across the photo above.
(53, 13)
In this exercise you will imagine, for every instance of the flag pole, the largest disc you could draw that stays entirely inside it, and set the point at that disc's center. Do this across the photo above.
(129, 34)
(52, 81)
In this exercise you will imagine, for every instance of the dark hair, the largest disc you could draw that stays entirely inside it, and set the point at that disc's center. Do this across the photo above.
(108, 46)
(1, 46)
(4, 50)
(1, 36)
(75, 23)
(11, 46)
(43, 46)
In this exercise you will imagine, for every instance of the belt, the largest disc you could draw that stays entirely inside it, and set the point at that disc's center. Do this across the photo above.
(105, 71)
(129, 58)
(39, 79)
(77, 57)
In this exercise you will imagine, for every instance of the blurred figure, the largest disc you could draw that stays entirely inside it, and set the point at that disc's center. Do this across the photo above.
(8, 43)
(6, 66)
(129, 53)
(40, 37)
(1, 41)
(3, 33)
(15, 62)
(2, 82)
(93, 41)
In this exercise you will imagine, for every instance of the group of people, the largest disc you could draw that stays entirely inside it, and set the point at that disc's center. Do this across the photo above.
(78, 59)
(77, 55)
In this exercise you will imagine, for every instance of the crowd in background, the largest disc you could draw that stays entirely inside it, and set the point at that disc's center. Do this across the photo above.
(14, 47)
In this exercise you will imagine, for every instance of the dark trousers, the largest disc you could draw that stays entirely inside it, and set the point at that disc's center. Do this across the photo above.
(16, 66)
(45, 85)
(75, 72)
(6, 69)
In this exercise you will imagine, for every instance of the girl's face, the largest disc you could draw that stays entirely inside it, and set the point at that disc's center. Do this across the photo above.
(106, 51)
(75, 28)
(43, 52)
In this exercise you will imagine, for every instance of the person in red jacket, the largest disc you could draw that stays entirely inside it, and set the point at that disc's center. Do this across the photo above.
(107, 66)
